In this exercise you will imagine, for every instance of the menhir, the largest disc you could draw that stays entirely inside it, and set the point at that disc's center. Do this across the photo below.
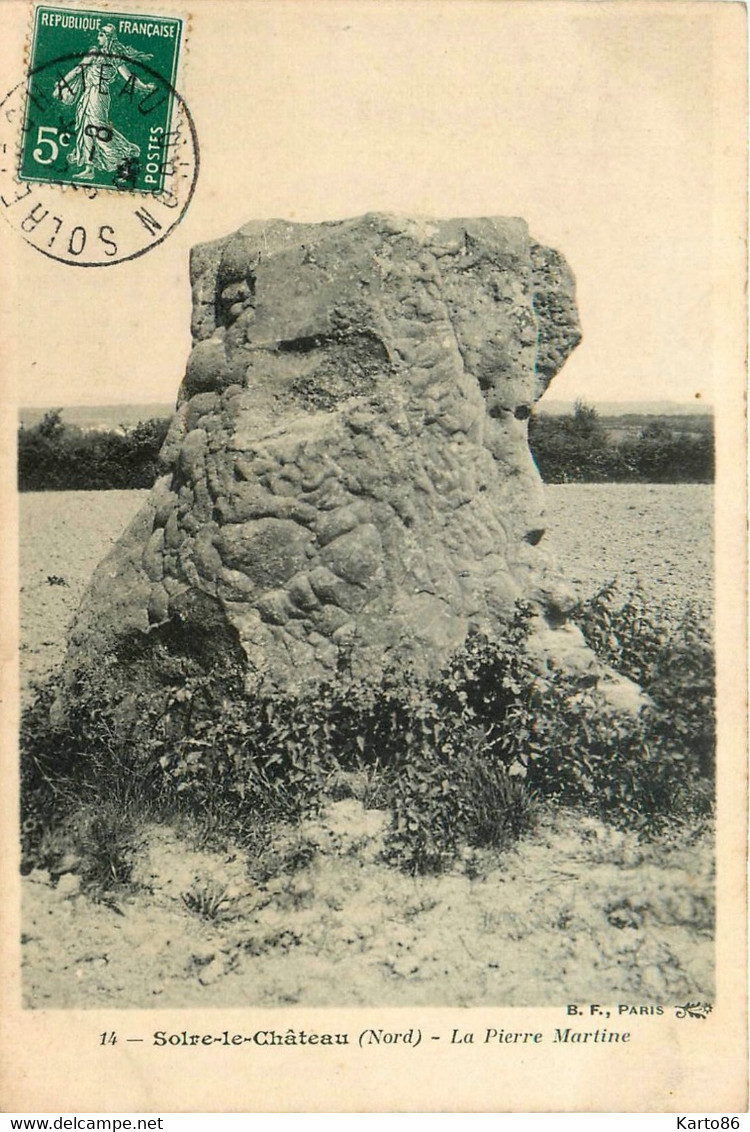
(347, 475)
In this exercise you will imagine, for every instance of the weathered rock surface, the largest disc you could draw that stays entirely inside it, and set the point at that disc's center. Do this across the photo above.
(347, 473)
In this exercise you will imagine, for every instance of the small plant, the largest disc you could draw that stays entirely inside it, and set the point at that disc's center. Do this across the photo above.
(209, 900)
(453, 796)
(97, 841)
(108, 843)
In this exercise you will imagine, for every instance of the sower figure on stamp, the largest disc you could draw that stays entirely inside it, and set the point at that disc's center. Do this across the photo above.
(98, 145)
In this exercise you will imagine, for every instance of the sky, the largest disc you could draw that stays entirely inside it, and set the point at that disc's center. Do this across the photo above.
(603, 125)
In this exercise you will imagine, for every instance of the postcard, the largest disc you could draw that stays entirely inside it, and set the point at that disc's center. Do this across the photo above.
(374, 557)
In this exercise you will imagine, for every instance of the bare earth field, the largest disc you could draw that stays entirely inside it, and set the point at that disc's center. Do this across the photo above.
(575, 912)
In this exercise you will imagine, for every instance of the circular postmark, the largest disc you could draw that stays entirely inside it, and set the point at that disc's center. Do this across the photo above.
(99, 157)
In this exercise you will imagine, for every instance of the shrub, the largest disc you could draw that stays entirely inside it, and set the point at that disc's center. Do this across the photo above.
(239, 759)
(460, 794)
(627, 771)
(55, 456)
(671, 656)
(458, 760)
(82, 793)
(640, 773)
(579, 448)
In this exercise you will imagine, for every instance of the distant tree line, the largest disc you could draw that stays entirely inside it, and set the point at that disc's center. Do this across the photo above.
(578, 448)
(55, 456)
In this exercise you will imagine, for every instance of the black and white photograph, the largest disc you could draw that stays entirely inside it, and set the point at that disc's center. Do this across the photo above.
(376, 529)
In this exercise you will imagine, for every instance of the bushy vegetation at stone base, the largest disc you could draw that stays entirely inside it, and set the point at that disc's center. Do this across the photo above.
(578, 448)
(462, 761)
(55, 456)
(670, 656)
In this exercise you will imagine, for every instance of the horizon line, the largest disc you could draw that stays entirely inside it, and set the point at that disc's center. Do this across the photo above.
(552, 400)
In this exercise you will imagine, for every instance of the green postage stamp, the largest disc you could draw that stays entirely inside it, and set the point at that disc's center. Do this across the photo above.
(99, 99)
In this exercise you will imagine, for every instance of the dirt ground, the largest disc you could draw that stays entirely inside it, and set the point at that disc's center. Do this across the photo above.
(658, 536)
(576, 911)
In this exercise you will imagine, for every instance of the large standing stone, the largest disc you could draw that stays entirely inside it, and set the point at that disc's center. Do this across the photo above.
(347, 473)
